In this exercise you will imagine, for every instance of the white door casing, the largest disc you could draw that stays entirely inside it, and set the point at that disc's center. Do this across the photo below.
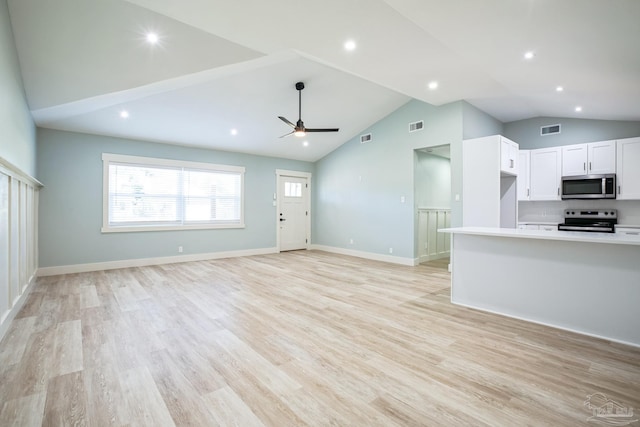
(293, 210)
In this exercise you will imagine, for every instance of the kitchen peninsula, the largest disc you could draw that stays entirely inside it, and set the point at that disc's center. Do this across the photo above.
(583, 282)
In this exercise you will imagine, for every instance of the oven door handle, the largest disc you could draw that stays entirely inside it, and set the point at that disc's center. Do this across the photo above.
(564, 227)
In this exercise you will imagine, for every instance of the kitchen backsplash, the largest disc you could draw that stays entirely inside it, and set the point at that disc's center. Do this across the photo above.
(553, 211)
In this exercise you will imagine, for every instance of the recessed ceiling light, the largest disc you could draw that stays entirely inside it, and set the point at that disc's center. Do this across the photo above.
(433, 85)
(234, 132)
(305, 143)
(152, 38)
(559, 89)
(124, 114)
(349, 45)
(578, 109)
(529, 55)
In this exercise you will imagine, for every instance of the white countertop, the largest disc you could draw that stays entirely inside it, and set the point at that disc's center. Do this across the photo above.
(571, 236)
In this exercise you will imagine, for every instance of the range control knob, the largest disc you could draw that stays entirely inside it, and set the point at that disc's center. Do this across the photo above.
(607, 213)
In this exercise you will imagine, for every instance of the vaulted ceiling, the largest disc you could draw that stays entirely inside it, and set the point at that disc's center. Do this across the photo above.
(222, 65)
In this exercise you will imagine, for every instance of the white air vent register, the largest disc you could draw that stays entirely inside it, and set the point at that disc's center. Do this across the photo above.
(416, 126)
(550, 130)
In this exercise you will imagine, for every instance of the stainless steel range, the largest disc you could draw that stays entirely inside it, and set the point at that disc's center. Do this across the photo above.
(596, 220)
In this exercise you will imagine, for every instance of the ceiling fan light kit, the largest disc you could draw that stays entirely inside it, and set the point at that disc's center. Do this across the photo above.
(298, 128)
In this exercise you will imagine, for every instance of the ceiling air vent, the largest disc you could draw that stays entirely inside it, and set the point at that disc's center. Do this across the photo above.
(549, 130)
(365, 138)
(416, 126)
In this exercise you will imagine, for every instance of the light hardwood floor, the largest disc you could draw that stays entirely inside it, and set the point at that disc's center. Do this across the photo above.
(298, 338)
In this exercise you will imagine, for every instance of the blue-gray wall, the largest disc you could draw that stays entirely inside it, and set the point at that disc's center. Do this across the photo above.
(573, 131)
(359, 186)
(432, 181)
(70, 166)
(17, 131)
(477, 123)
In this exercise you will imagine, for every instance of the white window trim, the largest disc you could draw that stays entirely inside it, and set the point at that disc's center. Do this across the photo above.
(107, 158)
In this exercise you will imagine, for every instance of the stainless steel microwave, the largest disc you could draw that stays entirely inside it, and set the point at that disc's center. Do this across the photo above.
(589, 187)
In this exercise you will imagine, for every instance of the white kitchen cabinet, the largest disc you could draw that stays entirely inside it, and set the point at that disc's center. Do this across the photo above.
(537, 226)
(528, 227)
(628, 171)
(524, 186)
(601, 157)
(574, 160)
(630, 231)
(489, 196)
(545, 173)
(508, 156)
(588, 159)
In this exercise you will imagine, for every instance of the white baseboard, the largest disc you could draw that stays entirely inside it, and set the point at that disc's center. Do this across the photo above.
(367, 255)
(142, 262)
(18, 303)
(427, 258)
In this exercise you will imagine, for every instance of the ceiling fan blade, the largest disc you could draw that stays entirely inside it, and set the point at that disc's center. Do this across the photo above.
(322, 130)
(287, 121)
(287, 134)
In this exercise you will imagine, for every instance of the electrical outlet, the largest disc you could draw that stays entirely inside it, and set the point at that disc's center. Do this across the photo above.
(402, 199)
(351, 241)
(180, 249)
(390, 250)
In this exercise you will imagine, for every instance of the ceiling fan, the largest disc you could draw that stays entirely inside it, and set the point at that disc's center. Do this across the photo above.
(298, 128)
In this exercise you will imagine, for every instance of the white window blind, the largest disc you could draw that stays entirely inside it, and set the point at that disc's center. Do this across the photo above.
(159, 194)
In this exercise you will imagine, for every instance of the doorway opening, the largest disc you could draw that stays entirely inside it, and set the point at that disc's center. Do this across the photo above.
(432, 188)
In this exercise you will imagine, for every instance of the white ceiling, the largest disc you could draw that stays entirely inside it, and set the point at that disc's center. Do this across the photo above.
(233, 64)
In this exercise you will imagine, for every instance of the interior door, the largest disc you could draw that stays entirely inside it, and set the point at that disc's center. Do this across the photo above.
(293, 194)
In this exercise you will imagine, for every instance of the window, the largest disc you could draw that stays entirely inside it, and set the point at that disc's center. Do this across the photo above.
(292, 189)
(143, 194)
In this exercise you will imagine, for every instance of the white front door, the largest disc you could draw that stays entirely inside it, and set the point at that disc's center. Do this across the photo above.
(293, 198)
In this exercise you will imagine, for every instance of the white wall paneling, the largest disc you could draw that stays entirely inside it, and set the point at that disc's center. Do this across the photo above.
(431, 244)
(18, 239)
(5, 296)
(14, 237)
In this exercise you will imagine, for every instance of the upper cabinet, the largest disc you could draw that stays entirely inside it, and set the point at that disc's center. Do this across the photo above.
(524, 186)
(540, 171)
(601, 157)
(508, 156)
(545, 173)
(588, 159)
(628, 175)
